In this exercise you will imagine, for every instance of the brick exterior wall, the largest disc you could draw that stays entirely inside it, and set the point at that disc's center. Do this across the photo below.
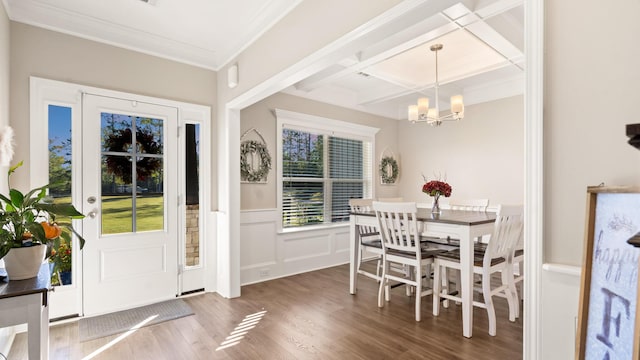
(193, 236)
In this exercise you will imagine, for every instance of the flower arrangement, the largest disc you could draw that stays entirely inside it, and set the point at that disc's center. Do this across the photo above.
(437, 188)
(61, 258)
(30, 219)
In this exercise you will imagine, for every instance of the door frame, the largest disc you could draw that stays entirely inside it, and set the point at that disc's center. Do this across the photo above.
(45, 92)
(105, 274)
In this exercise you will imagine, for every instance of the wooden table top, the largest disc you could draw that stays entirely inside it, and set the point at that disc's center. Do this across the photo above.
(457, 217)
(39, 284)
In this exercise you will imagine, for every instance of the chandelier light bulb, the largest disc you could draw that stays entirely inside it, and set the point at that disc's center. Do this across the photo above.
(457, 106)
(413, 113)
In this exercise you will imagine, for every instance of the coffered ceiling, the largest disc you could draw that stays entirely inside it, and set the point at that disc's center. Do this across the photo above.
(482, 58)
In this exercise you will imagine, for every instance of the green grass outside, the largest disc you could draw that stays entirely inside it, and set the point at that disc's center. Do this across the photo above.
(117, 214)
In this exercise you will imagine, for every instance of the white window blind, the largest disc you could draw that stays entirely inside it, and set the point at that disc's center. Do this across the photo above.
(321, 171)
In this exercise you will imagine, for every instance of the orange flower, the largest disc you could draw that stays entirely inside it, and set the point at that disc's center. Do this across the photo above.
(51, 230)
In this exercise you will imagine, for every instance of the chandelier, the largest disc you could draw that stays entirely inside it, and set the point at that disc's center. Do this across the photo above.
(422, 112)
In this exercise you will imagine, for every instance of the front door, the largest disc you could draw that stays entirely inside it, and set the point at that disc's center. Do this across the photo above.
(130, 198)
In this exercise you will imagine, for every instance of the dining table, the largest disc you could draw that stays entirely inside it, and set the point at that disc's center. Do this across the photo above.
(467, 226)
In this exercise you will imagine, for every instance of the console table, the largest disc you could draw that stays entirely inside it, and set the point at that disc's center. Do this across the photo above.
(26, 301)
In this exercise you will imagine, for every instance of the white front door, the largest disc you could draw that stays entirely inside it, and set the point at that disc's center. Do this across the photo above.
(130, 183)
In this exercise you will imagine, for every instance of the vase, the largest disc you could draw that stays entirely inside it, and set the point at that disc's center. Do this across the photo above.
(435, 209)
(24, 262)
(64, 277)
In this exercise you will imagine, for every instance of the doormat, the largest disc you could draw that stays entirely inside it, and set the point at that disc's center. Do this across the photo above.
(123, 321)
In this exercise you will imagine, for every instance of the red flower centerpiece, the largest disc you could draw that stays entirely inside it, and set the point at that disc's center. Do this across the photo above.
(436, 188)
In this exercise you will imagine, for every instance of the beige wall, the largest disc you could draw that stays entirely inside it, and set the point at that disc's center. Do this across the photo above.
(261, 117)
(299, 34)
(4, 81)
(4, 66)
(482, 155)
(592, 87)
(47, 54)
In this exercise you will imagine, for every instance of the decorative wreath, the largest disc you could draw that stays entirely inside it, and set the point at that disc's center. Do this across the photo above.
(384, 173)
(120, 166)
(246, 171)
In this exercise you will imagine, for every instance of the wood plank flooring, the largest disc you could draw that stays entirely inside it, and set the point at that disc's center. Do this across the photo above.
(306, 316)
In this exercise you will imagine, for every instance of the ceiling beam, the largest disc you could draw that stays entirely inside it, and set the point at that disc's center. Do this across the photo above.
(388, 93)
(452, 18)
(426, 17)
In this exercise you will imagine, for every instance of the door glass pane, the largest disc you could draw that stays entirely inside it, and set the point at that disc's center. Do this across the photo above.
(149, 135)
(117, 201)
(149, 197)
(132, 196)
(192, 183)
(59, 128)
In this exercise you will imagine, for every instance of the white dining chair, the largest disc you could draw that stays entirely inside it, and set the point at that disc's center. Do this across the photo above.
(397, 222)
(469, 204)
(518, 273)
(369, 240)
(391, 199)
(497, 257)
(480, 205)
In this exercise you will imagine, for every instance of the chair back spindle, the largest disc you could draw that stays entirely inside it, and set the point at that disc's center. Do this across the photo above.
(360, 206)
(507, 233)
(469, 204)
(398, 225)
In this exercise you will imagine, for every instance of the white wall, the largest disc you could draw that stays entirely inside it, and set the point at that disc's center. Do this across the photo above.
(481, 156)
(4, 82)
(592, 89)
(265, 254)
(261, 117)
(487, 144)
(268, 255)
(4, 66)
(6, 334)
(293, 47)
(592, 85)
(48, 54)
(591, 92)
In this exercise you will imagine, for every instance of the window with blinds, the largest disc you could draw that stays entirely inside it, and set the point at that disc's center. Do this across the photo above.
(320, 173)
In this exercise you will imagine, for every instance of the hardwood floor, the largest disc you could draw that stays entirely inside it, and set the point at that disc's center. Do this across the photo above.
(306, 316)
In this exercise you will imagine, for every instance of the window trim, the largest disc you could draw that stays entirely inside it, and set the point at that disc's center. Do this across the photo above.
(326, 126)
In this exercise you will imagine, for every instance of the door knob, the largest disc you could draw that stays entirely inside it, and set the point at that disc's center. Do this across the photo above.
(93, 213)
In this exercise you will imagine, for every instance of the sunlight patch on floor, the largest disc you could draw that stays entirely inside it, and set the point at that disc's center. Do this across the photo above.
(248, 323)
(119, 338)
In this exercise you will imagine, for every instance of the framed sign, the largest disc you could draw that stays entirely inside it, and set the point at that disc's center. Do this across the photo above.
(607, 326)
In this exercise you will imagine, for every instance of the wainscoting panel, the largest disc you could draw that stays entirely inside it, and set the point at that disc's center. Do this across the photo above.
(257, 239)
(303, 246)
(266, 255)
(342, 242)
(560, 298)
(7, 335)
